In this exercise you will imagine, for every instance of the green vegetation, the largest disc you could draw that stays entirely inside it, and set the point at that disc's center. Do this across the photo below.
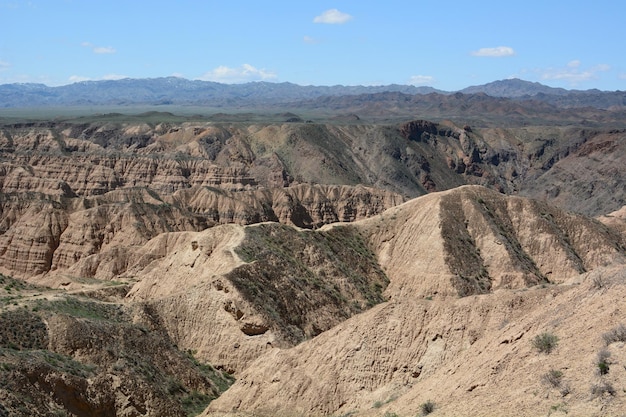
(616, 334)
(602, 361)
(105, 335)
(21, 329)
(195, 402)
(220, 379)
(601, 388)
(545, 342)
(461, 251)
(57, 361)
(379, 404)
(558, 408)
(81, 308)
(427, 407)
(13, 287)
(331, 269)
(552, 378)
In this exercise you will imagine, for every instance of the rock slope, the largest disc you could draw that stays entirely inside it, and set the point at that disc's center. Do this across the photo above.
(89, 157)
(521, 271)
(64, 354)
(438, 298)
(97, 236)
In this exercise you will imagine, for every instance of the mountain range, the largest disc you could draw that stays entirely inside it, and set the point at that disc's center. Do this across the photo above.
(180, 91)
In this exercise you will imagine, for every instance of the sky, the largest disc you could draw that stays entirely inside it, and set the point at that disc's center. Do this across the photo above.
(445, 44)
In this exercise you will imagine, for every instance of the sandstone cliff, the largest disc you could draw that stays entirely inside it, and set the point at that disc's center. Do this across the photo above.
(97, 236)
(66, 159)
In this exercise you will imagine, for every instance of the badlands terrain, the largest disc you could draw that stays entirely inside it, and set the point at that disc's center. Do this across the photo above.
(312, 265)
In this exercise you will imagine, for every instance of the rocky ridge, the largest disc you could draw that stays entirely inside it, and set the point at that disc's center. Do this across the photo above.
(204, 235)
(399, 354)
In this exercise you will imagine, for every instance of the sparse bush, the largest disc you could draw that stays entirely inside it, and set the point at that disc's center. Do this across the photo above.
(565, 389)
(616, 334)
(545, 342)
(598, 282)
(427, 407)
(195, 402)
(601, 388)
(552, 378)
(602, 361)
(390, 414)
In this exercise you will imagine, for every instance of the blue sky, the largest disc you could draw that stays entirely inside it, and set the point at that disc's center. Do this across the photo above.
(445, 44)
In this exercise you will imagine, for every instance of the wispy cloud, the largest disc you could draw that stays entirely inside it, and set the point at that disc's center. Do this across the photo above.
(99, 49)
(242, 74)
(4, 65)
(310, 40)
(78, 79)
(498, 51)
(622, 76)
(574, 64)
(572, 73)
(332, 17)
(104, 50)
(421, 80)
(14, 5)
(107, 77)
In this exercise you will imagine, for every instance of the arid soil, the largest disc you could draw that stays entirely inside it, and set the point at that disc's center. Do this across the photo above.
(338, 269)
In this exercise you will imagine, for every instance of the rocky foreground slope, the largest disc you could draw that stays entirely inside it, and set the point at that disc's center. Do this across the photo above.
(217, 244)
(522, 270)
(438, 299)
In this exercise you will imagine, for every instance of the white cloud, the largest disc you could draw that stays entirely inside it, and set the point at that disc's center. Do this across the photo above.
(333, 17)
(104, 50)
(78, 79)
(107, 77)
(572, 73)
(4, 65)
(495, 52)
(574, 64)
(310, 40)
(98, 49)
(421, 80)
(622, 76)
(243, 74)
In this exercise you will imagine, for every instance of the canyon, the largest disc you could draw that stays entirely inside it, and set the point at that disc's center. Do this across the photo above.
(345, 267)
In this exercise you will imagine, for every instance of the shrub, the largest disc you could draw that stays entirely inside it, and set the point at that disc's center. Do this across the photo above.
(603, 361)
(601, 388)
(616, 334)
(553, 378)
(195, 402)
(427, 407)
(598, 282)
(545, 342)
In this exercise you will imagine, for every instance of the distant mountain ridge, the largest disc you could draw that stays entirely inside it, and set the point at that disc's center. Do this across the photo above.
(180, 91)
(523, 90)
(514, 87)
(174, 90)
